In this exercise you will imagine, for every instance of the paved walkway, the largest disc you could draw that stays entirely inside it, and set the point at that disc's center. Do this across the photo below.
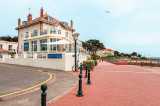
(114, 85)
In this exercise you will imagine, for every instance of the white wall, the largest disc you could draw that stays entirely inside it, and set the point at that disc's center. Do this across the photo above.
(69, 61)
(6, 45)
(22, 33)
(65, 64)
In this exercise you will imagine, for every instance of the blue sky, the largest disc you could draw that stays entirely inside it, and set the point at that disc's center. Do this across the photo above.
(132, 25)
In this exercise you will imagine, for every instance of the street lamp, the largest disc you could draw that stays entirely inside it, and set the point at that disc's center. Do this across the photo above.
(75, 35)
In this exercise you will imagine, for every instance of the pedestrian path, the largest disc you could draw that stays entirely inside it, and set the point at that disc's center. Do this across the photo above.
(116, 85)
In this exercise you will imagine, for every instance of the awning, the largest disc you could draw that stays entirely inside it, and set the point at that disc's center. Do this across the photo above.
(63, 41)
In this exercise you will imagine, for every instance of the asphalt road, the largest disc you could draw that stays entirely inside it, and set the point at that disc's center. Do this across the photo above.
(13, 79)
(23, 77)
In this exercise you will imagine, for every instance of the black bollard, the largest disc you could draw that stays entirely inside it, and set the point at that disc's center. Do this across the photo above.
(89, 81)
(158, 62)
(81, 69)
(86, 72)
(43, 95)
(80, 92)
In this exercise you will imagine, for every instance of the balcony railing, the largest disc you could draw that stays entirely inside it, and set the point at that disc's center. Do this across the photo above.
(34, 34)
(26, 35)
(43, 32)
(51, 31)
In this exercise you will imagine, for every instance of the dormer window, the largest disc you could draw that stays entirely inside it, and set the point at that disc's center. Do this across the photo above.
(49, 19)
(24, 22)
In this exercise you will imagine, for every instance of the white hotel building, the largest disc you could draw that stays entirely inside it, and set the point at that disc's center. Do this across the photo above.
(33, 35)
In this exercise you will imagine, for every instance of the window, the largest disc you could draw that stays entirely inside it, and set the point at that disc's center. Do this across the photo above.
(26, 35)
(43, 32)
(9, 47)
(34, 45)
(35, 33)
(1, 46)
(53, 31)
(43, 46)
(53, 40)
(59, 31)
(53, 46)
(66, 34)
(49, 19)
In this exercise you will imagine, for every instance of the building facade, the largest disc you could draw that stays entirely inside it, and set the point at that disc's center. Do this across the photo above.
(8, 46)
(105, 52)
(33, 35)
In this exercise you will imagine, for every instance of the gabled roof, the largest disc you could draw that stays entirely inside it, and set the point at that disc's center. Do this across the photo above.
(55, 22)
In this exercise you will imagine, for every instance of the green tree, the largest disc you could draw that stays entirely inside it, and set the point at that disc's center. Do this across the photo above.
(93, 44)
(9, 38)
(116, 53)
(134, 54)
(139, 55)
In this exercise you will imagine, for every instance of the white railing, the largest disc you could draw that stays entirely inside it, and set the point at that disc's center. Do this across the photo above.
(43, 32)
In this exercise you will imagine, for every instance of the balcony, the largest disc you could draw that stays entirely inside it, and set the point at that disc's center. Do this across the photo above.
(47, 32)
(26, 35)
(43, 32)
(35, 33)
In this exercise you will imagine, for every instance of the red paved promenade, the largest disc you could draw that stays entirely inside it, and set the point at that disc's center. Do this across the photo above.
(114, 85)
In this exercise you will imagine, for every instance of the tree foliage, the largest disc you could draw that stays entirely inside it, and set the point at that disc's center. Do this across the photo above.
(134, 54)
(93, 44)
(9, 38)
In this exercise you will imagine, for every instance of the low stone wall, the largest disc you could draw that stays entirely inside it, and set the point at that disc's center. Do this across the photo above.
(45, 63)
(121, 63)
(65, 63)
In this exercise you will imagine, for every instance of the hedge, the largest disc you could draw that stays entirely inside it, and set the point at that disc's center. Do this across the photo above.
(89, 63)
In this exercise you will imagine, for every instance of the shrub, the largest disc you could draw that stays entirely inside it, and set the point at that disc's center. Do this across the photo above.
(12, 53)
(89, 63)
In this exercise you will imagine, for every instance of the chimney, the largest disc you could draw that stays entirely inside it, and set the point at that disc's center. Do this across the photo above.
(71, 24)
(19, 22)
(30, 17)
(41, 13)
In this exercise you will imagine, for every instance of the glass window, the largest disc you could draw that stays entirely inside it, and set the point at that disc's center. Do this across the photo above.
(35, 33)
(9, 47)
(53, 31)
(43, 46)
(34, 45)
(1, 46)
(53, 46)
(66, 34)
(59, 31)
(43, 32)
(53, 40)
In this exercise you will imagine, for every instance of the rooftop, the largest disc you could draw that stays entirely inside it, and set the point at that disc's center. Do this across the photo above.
(43, 19)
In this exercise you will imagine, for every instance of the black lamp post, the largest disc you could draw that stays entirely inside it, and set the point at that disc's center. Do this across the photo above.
(75, 39)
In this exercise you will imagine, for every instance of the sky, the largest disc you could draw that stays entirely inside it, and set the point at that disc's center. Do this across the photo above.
(131, 25)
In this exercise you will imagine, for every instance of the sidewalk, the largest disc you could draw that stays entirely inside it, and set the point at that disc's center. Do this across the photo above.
(114, 85)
